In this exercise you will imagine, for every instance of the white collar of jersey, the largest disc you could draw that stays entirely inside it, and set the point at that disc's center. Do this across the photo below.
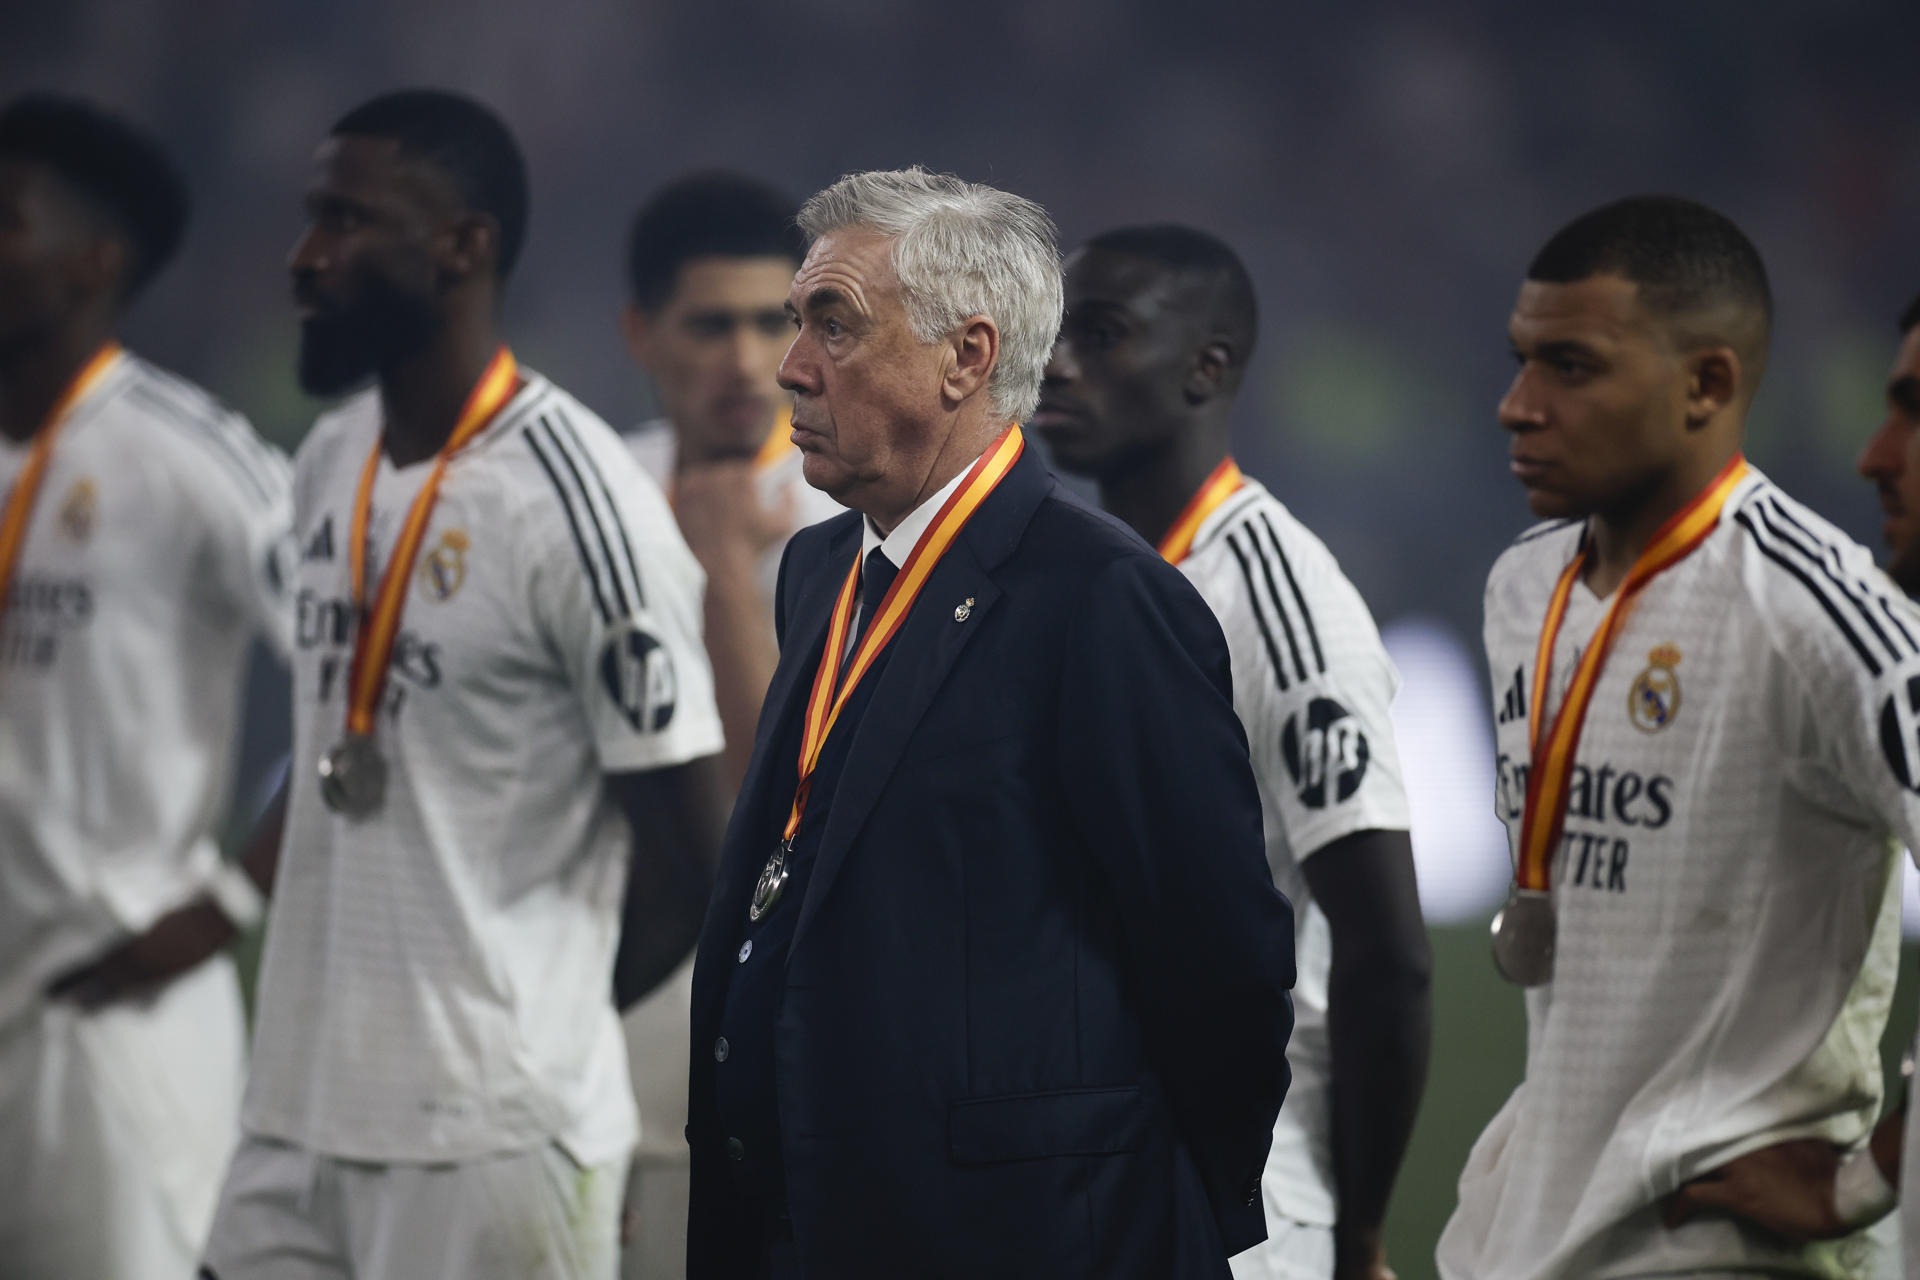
(898, 545)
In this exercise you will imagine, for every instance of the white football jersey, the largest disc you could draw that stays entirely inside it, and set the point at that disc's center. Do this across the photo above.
(437, 983)
(1312, 685)
(156, 551)
(1725, 889)
(780, 479)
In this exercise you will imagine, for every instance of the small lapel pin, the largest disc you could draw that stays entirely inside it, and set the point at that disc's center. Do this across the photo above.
(963, 610)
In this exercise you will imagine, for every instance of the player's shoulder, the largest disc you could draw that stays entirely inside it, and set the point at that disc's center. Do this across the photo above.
(1816, 592)
(554, 450)
(189, 431)
(1546, 546)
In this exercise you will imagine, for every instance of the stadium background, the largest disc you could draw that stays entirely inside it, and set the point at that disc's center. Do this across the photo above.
(1385, 168)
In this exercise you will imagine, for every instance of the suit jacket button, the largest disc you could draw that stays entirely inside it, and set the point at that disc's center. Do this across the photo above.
(721, 1049)
(736, 1149)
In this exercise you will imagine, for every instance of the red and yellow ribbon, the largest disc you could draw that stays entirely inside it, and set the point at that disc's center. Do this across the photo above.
(380, 624)
(1552, 768)
(1222, 484)
(26, 487)
(830, 693)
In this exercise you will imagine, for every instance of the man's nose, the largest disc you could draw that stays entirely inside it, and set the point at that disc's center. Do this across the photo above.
(1061, 365)
(1884, 452)
(796, 374)
(1521, 408)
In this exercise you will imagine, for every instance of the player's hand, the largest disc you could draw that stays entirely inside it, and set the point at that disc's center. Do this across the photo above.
(720, 512)
(1785, 1190)
(178, 941)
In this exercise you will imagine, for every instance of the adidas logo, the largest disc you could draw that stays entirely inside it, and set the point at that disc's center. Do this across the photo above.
(1514, 705)
(320, 545)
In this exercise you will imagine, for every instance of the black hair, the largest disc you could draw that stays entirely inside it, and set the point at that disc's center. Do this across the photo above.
(1683, 256)
(706, 215)
(464, 140)
(1193, 252)
(1911, 316)
(118, 170)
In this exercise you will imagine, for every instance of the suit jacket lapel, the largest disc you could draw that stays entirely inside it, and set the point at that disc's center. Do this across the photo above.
(771, 775)
(922, 654)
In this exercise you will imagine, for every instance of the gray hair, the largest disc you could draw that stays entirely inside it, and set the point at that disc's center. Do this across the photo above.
(961, 250)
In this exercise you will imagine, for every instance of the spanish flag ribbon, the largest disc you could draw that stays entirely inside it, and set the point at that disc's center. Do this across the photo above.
(830, 692)
(1224, 481)
(26, 487)
(1553, 751)
(380, 623)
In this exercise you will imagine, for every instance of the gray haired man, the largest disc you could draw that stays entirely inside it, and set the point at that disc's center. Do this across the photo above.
(994, 980)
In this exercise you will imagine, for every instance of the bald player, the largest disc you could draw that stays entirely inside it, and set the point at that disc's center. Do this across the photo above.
(1160, 325)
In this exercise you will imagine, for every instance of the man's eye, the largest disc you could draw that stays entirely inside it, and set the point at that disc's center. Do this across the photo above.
(833, 327)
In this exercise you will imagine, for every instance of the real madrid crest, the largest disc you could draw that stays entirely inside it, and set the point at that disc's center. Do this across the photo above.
(444, 568)
(78, 510)
(1654, 699)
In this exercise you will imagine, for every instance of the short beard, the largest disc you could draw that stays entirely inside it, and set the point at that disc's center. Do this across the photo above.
(341, 349)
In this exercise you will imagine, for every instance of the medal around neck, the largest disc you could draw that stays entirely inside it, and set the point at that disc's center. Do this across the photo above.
(772, 883)
(1523, 938)
(353, 777)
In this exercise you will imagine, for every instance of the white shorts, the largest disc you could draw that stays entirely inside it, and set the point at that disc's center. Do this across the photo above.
(115, 1128)
(287, 1213)
(1291, 1251)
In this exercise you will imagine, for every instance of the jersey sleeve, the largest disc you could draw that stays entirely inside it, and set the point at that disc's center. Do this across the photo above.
(1313, 685)
(1843, 672)
(617, 597)
(241, 494)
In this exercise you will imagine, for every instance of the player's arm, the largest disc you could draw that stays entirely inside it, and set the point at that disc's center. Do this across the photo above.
(188, 935)
(678, 815)
(1380, 1019)
(728, 530)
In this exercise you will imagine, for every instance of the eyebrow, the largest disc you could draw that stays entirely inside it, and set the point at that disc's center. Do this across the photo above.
(823, 297)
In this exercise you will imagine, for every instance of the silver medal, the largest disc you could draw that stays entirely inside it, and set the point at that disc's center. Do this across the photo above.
(772, 882)
(1523, 938)
(353, 776)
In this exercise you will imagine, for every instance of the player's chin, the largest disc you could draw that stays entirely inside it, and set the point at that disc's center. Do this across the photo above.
(1551, 504)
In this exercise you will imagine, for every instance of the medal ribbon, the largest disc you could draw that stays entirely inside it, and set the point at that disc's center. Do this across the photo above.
(830, 694)
(26, 487)
(1545, 816)
(379, 625)
(1214, 490)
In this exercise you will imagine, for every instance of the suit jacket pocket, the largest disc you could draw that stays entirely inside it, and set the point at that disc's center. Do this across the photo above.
(1061, 1122)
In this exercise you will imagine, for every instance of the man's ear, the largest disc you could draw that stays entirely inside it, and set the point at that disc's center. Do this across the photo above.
(1715, 378)
(476, 247)
(638, 328)
(975, 350)
(1207, 374)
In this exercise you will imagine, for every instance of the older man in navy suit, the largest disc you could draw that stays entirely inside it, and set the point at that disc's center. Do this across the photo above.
(994, 980)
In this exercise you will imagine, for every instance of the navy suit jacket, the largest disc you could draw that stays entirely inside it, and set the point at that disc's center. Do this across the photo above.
(1036, 1006)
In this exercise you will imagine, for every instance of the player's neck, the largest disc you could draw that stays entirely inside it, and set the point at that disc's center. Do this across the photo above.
(1618, 538)
(422, 395)
(1150, 493)
(34, 375)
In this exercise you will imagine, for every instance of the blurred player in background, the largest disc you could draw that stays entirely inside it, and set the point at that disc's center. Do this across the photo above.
(1706, 723)
(497, 657)
(709, 259)
(141, 551)
(1159, 328)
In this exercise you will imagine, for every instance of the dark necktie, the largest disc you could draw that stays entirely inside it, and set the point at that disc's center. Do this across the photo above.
(875, 577)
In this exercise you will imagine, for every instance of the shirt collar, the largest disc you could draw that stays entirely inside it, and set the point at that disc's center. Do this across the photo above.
(899, 544)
